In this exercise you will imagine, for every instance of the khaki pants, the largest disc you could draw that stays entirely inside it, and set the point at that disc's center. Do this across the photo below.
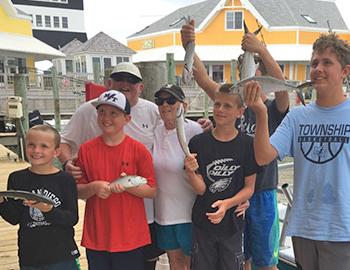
(321, 255)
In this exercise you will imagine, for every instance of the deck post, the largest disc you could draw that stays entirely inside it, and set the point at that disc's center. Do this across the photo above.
(56, 99)
(22, 124)
(171, 67)
(233, 70)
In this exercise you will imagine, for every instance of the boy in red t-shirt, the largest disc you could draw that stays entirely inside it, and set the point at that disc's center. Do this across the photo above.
(115, 224)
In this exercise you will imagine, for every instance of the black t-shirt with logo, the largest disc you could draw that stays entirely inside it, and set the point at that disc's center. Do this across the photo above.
(43, 238)
(223, 166)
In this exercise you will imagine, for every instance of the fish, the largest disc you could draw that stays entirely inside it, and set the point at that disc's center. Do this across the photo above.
(26, 195)
(187, 73)
(129, 181)
(248, 67)
(180, 130)
(269, 85)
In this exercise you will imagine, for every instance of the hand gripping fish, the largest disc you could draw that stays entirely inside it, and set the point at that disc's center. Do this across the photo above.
(248, 69)
(248, 66)
(187, 72)
(180, 129)
(269, 85)
(128, 181)
(26, 195)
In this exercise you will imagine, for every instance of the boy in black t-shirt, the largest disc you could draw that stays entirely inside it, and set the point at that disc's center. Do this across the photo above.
(46, 233)
(222, 171)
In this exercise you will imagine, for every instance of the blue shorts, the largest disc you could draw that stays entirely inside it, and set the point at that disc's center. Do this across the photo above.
(261, 235)
(178, 236)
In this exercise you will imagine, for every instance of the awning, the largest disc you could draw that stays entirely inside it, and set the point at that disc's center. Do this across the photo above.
(281, 53)
(21, 45)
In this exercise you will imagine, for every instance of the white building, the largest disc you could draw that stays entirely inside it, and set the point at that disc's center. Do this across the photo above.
(55, 22)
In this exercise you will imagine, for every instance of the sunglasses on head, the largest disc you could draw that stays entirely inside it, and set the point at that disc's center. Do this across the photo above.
(126, 78)
(170, 100)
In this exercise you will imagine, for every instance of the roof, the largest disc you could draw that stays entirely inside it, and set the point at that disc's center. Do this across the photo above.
(224, 53)
(27, 45)
(199, 12)
(102, 43)
(289, 15)
(71, 46)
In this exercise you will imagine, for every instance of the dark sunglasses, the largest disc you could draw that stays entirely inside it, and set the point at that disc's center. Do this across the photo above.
(170, 100)
(126, 78)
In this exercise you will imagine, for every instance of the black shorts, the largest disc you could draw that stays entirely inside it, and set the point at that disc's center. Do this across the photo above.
(152, 251)
(220, 252)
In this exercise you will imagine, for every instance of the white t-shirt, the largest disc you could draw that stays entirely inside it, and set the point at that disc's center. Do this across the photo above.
(83, 127)
(175, 196)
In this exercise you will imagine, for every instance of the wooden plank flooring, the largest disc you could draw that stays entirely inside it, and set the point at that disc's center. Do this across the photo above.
(8, 233)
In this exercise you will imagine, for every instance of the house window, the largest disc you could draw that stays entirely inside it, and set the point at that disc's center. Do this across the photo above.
(122, 59)
(282, 67)
(56, 22)
(234, 20)
(309, 19)
(218, 73)
(119, 59)
(96, 65)
(47, 21)
(69, 66)
(39, 21)
(64, 22)
(77, 67)
(83, 64)
(2, 65)
(107, 63)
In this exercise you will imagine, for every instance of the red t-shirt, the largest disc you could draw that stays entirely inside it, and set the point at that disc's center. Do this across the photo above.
(119, 222)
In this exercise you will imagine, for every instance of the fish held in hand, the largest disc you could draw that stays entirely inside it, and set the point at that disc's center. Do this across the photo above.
(26, 195)
(180, 130)
(129, 181)
(269, 85)
(248, 66)
(187, 73)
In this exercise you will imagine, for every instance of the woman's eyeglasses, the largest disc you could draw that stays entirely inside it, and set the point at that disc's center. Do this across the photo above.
(170, 100)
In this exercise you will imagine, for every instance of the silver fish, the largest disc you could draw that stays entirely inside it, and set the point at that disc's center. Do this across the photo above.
(26, 195)
(180, 130)
(187, 72)
(269, 85)
(248, 67)
(128, 181)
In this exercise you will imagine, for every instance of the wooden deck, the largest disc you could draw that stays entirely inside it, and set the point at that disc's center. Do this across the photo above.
(8, 233)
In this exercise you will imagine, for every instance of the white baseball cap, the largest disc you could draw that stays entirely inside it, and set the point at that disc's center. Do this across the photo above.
(114, 98)
(126, 67)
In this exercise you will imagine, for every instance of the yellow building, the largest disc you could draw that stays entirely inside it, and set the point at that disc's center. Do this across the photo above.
(289, 29)
(18, 48)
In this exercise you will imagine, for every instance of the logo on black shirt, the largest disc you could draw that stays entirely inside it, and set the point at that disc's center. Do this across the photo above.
(220, 173)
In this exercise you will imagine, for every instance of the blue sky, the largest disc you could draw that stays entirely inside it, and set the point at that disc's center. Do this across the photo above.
(121, 18)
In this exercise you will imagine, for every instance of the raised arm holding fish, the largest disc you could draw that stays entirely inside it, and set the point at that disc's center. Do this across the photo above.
(264, 255)
(187, 73)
